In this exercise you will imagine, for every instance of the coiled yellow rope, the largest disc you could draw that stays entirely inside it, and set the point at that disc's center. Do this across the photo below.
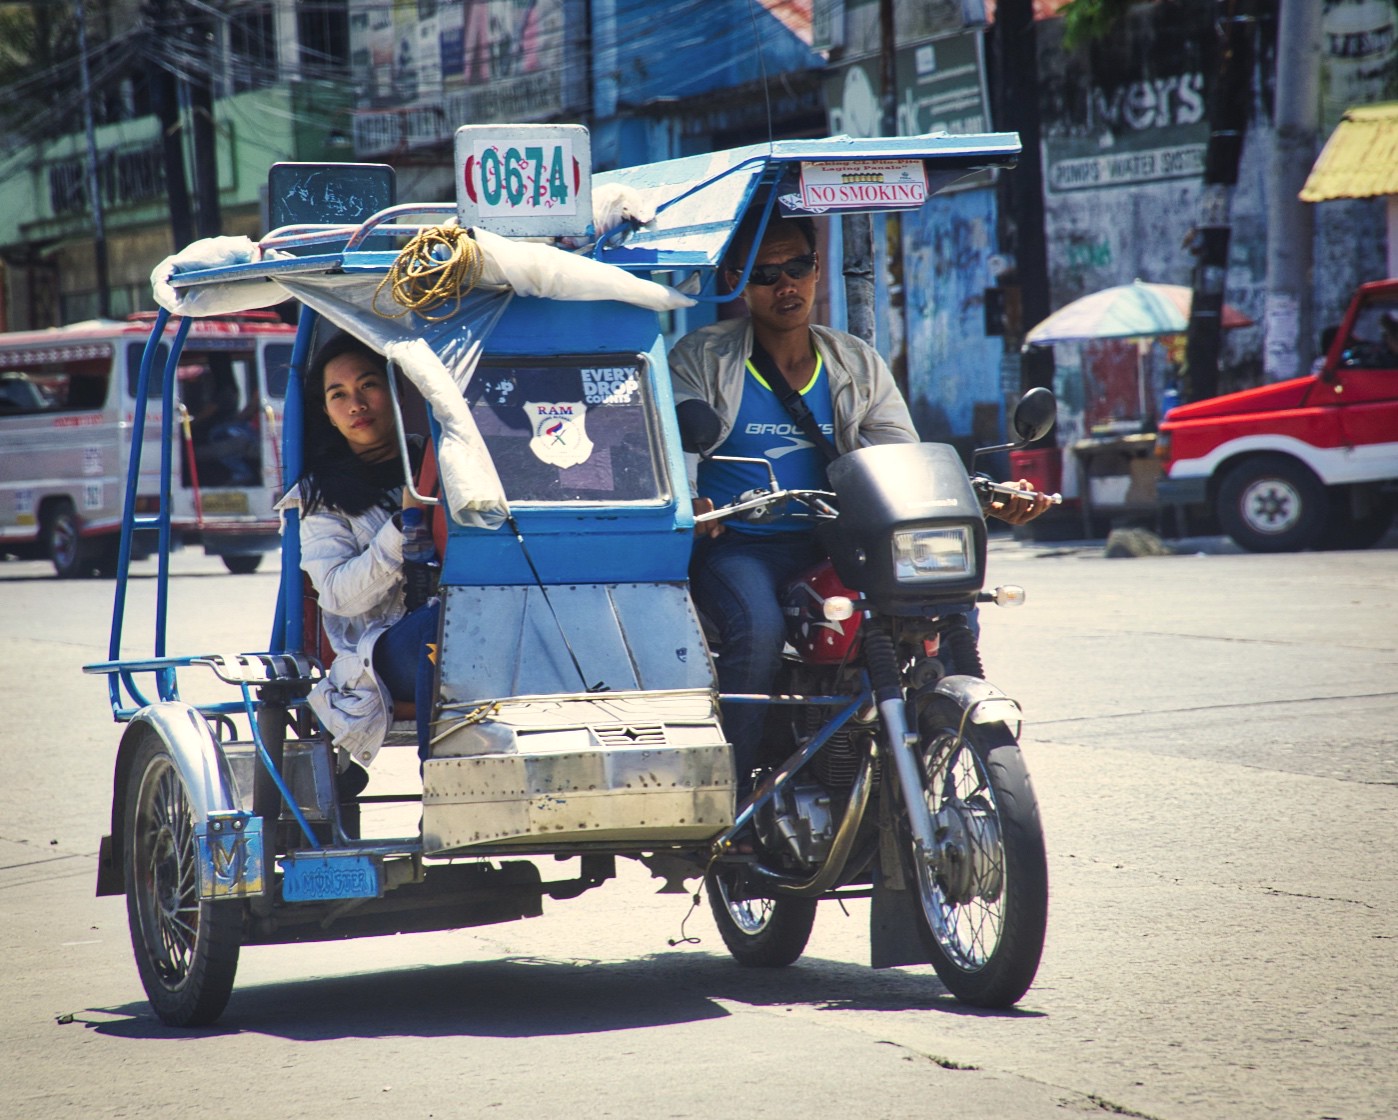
(439, 264)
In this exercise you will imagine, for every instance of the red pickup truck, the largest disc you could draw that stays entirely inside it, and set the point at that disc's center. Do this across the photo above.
(1311, 462)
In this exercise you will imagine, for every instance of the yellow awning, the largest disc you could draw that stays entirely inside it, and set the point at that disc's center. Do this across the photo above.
(1360, 160)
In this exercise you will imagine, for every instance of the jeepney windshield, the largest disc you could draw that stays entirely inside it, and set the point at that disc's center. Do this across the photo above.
(571, 429)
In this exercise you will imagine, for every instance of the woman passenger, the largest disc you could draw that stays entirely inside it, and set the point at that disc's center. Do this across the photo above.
(351, 495)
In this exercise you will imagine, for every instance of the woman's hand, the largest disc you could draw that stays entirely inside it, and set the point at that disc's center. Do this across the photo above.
(1018, 510)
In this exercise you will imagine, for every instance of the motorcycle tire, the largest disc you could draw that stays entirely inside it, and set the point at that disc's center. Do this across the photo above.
(186, 948)
(759, 932)
(983, 909)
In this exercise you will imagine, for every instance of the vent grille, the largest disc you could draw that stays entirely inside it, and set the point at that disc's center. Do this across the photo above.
(631, 735)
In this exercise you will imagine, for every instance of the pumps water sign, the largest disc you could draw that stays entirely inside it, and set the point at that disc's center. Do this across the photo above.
(525, 180)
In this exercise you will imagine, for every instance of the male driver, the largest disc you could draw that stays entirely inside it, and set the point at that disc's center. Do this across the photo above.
(736, 575)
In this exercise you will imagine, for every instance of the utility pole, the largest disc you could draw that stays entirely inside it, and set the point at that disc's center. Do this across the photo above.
(857, 230)
(165, 100)
(203, 131)
(1290, 322)
(1021, 192)
(1228, 118)
(94, 190)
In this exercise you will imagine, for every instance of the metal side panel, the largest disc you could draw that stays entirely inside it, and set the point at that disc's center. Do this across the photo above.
(649, 768)
(515, 641)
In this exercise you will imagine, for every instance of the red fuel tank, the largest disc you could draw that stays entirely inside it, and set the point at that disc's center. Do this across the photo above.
(818, 640)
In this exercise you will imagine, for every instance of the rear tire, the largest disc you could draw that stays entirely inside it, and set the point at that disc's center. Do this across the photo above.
(1272, 504)
(759, 932)
(983, 902)
(186, 949)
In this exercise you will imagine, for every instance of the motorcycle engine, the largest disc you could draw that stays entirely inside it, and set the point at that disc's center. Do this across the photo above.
(800, 823)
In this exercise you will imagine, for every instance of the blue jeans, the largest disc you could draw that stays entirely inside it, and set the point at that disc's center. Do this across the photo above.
(736, 579)
(404, 663)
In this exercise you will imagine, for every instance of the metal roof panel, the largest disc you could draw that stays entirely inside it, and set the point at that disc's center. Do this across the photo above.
(1360, 160)
(699, 199)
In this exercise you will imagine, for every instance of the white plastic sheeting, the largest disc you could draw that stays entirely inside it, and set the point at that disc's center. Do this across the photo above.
(470, 485)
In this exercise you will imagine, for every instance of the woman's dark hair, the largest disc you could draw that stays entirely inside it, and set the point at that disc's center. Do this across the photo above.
(741, 245)
(332, 475)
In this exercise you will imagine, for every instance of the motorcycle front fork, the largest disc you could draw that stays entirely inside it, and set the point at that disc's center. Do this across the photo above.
(901, 740)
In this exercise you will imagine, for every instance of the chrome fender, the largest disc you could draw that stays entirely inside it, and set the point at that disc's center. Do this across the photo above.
(980, 700)
(206, 774)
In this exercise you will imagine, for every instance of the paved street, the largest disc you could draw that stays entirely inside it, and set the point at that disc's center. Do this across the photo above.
(1212, 738)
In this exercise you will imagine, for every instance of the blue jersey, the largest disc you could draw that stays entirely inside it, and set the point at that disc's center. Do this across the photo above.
(763, 429)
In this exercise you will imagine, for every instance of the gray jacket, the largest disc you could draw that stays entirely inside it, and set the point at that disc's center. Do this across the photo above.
(709, 365)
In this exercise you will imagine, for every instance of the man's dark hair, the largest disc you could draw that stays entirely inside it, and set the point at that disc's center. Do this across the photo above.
(741, 245)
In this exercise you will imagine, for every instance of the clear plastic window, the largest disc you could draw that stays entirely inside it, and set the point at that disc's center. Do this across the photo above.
(571, 429)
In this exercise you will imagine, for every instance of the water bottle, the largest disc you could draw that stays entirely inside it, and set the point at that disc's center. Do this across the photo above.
(420, 566)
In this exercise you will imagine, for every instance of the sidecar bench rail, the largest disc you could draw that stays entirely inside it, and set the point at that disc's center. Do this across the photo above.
(242, 669)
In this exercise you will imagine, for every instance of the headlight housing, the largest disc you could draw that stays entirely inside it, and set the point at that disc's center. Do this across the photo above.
(910, 536)
(933, 555)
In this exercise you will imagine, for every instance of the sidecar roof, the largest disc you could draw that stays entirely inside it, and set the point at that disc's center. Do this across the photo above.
(699, 200)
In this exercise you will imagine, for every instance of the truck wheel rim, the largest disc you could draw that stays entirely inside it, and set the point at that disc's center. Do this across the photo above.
(1271, 506)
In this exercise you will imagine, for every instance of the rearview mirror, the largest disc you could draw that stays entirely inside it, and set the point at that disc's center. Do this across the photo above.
(1035, 415)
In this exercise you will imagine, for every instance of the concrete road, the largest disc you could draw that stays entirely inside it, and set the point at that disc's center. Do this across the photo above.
(1213, 742)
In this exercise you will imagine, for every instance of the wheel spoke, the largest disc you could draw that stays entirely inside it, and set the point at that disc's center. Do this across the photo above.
(967, 921)
(169, 904)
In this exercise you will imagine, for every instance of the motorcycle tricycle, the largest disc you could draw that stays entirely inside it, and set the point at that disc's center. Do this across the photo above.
(575, 715)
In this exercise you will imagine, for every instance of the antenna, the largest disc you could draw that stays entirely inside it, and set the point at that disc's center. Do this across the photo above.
(762, 63)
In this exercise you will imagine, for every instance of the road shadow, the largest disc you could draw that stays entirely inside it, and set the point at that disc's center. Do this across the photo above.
(520, 997)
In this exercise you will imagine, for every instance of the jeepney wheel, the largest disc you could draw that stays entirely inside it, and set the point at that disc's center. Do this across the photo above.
(186, 949)
(63, 544)
(1272, 504)
(243, 564)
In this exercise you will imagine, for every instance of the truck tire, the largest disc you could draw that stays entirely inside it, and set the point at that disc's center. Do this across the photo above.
(1272, 504)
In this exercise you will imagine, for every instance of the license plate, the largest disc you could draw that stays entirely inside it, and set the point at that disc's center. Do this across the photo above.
(319, 877)
(224, 501)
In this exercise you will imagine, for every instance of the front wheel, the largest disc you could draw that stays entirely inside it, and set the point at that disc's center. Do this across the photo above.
(759, 932)
(186, 949)
(983, 890)
(1272, 504)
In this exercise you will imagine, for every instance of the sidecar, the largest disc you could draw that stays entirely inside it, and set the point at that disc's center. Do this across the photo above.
(575, 714)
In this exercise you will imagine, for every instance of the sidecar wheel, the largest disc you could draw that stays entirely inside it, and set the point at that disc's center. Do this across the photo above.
(186, 949)
(759, 932)
(984, 899)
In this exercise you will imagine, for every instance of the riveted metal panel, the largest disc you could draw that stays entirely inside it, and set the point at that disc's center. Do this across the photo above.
(649, 768)
(516, 641)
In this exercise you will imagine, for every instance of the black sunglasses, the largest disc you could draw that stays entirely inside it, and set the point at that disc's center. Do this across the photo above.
(798, 268)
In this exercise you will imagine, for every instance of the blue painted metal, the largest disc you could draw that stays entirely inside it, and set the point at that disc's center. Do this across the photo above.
(288, 626)
(133, 475)
(719, 45)
(699, 199)
(572, 542)
(953, 366)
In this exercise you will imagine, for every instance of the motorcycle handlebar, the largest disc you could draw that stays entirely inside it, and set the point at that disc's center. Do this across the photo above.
(760, 502)
(990, 490)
